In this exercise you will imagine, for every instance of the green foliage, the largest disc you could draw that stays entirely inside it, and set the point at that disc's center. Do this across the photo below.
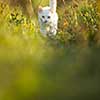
(37, 68)
(79, 21)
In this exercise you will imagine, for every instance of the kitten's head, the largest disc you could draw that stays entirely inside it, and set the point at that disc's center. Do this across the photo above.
(45, 14)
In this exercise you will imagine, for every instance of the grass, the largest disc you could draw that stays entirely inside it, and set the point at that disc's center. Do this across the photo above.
(64, 67)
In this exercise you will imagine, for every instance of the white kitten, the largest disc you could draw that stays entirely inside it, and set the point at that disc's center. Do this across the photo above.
(48, 19)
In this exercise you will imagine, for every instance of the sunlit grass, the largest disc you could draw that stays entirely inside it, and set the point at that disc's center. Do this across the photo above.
(36, 68)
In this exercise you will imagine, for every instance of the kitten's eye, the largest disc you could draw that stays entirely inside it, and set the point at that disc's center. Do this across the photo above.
(48, 17)
(43, 16)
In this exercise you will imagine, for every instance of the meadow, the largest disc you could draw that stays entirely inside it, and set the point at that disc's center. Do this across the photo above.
(63, 67)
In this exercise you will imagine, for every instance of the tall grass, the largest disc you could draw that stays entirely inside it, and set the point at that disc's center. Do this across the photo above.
(36, 68)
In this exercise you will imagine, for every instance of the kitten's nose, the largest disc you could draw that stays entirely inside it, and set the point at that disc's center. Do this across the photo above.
(45, 21)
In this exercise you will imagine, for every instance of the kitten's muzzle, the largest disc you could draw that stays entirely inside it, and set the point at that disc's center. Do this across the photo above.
(45, 21)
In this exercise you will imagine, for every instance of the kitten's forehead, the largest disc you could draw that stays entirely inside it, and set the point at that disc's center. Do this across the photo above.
(45, 11)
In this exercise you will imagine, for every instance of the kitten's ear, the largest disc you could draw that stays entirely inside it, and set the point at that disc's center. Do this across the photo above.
(40, 9)
(52, 11)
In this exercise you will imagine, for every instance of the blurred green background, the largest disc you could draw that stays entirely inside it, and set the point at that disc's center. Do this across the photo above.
(64, 67)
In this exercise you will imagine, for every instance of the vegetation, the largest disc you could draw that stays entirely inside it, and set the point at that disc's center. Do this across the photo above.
(80, 22)
(64, 67)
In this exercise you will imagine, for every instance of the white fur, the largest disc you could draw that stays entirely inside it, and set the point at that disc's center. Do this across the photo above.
(48, 19)
(53, 5)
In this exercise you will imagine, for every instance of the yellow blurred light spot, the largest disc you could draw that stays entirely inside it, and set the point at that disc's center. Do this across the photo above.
(65, 23)
(27, 81)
